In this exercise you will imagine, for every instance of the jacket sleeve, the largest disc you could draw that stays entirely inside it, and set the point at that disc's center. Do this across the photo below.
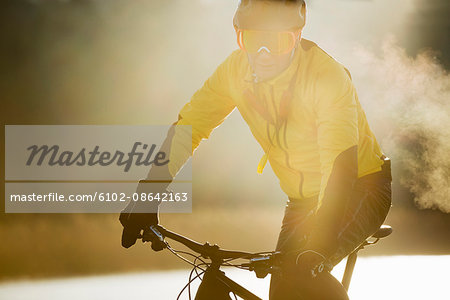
(337, 133)
(206, 110)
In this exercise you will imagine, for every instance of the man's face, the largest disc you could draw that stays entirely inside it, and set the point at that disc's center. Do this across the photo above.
(269, 16)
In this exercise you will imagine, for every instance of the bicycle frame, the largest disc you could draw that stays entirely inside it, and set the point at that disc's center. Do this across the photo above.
(216, 285)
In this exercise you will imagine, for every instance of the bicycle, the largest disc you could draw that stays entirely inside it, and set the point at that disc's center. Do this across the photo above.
(215, 284)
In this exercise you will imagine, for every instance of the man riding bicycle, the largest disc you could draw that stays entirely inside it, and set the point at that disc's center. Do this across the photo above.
(302, 108)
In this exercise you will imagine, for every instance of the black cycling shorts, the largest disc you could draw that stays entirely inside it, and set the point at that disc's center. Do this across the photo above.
(365, 213)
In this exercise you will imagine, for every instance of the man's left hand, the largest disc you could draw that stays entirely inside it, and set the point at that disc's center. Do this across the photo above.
(309, 263)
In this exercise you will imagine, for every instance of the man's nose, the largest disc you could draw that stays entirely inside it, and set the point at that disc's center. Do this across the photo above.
(264, 53)
(263, 48)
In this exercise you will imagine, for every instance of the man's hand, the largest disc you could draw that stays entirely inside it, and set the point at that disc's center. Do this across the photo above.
(135, 217)
(305, 264)
(309, 263)
(133, 223)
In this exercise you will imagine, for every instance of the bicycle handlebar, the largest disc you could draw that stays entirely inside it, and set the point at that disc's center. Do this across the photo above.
(206, 250)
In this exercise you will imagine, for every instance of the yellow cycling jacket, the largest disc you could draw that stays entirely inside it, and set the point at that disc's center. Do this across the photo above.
(301, 136)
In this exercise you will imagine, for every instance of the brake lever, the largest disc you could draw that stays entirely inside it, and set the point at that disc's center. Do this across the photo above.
(157, 233)
(155, 237)
(263, 265)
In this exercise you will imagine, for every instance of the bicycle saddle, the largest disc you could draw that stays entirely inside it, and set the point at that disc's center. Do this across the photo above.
(382, 232)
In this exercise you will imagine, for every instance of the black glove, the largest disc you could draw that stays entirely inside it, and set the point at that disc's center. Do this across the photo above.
(135, 217)
(320, 245)
(309, 263)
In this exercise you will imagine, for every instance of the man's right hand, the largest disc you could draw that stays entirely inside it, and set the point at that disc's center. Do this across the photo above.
(133, 224)
(136, 216)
